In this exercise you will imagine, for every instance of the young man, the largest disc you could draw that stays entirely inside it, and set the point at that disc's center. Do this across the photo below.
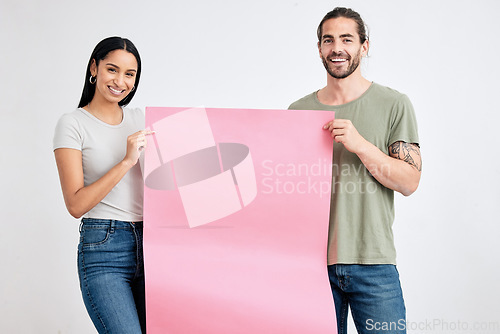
(375, 152)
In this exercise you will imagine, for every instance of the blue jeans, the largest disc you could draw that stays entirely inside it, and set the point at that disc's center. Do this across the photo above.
(373, 292)
(111, 272)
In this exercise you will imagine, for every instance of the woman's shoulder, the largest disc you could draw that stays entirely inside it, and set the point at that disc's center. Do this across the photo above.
(135, 115)
(134, 110)
(70, 118)
(68, 131)
(73, 116)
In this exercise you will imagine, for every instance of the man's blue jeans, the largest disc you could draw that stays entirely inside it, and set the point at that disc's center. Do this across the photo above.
(373, 292)
(111, 272)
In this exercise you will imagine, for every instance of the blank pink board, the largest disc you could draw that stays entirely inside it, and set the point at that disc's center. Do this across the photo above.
(236, 211)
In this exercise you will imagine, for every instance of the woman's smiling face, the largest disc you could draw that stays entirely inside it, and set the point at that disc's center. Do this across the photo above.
(115, 75)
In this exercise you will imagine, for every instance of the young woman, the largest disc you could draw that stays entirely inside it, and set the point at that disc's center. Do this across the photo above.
(97, 148)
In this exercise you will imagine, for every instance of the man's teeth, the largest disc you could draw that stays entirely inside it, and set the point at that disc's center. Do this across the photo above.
(338, 60)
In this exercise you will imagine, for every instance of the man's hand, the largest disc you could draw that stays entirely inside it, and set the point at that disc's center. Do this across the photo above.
(399, 171)
(343, 131)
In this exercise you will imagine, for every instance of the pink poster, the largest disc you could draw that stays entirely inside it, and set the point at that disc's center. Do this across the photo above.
(236, 217)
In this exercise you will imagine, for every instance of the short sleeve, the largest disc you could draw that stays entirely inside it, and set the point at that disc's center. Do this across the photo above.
(67, 133)
(403, 122)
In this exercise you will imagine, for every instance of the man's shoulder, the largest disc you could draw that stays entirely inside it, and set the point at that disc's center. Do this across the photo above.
(385, 92)
(305, 103)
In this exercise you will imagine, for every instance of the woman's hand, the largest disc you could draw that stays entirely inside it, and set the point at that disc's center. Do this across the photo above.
(135, 144)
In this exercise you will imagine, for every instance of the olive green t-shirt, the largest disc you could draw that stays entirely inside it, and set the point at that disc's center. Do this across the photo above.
(362, 210)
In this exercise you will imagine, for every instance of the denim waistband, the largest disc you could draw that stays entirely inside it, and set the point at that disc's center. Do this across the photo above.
(94, 222)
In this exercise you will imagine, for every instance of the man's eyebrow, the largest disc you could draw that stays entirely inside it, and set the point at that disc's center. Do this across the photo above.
(341, 36)
(115, 66)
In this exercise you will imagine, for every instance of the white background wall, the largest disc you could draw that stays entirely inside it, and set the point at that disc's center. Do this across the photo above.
(258, 54)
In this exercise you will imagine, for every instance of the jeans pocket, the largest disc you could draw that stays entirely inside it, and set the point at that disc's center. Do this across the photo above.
(94, 236)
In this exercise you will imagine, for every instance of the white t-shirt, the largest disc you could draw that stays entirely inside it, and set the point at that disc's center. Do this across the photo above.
(103, 146)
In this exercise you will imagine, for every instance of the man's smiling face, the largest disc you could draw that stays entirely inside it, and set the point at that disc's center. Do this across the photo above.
(340, 47)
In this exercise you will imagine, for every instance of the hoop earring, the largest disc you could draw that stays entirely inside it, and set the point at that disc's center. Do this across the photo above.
(90, 80)
(133, 88)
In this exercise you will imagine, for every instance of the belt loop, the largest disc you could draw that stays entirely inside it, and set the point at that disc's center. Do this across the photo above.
(112, 226)
(81, 227)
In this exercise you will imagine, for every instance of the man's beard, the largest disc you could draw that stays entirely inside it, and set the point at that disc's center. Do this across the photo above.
(342, 74)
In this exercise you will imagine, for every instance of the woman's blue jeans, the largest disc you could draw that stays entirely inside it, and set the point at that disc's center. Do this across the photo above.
(373, 292)
(111, 272)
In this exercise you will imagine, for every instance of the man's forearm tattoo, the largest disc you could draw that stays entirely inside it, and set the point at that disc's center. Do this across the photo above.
(409, 153)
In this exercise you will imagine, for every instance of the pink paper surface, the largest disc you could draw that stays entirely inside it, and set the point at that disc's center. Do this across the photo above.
(205, 202)
(180, 128)
(235, 226)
